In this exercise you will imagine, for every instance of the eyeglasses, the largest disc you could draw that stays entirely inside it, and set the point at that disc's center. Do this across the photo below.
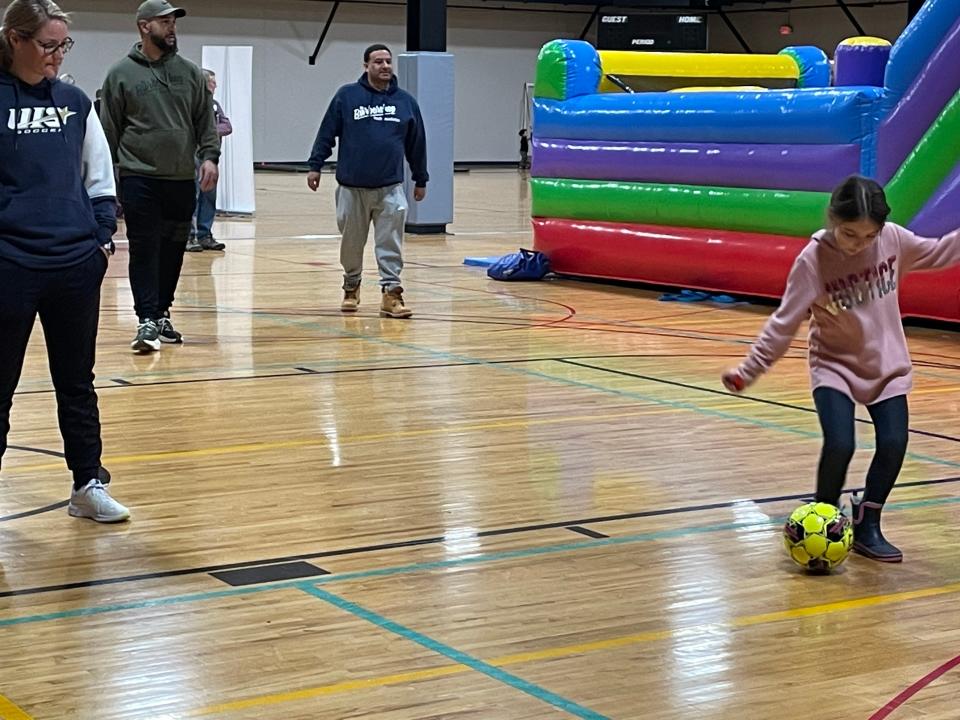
(51, 48)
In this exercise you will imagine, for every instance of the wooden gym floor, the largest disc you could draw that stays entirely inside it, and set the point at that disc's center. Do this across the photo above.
(529, 501)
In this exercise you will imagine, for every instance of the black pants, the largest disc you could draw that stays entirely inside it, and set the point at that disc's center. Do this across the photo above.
(159, 214)
(891, 422)
(68, 303)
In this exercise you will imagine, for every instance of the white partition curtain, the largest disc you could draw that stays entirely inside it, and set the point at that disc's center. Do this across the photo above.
(233, 66)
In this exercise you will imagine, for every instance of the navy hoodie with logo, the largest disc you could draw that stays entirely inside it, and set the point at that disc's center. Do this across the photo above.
(57, 192)
(377, 129)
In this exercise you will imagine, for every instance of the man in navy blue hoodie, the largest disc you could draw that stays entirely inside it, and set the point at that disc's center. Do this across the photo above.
(378, 125)
(57, 219)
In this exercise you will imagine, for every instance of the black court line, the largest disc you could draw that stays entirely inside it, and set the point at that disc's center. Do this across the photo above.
(763, 401)
(435, 540)
(41, 451)
(120, 381)
(35, 511)
(190, 381)
(301, 371)
(588, 532)
(45, 508)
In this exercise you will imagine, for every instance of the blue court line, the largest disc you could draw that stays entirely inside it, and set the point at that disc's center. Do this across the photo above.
(478, 559)
(457, 656)
(381, 572)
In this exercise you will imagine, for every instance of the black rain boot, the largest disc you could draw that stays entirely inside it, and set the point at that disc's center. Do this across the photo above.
(867, 538)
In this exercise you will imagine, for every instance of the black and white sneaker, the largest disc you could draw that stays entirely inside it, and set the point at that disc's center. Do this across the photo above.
(167, 332)
(147, 339)
(210, 243)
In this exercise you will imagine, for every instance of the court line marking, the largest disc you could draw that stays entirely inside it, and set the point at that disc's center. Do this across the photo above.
(915, 688)
(567, 651)
(320, 441)
(39, 451)
(34, 511)
(760, 400)
(518, 683)
(9, 711)
(672, 404)
(438, 539)
(478, 559)
(341, 687)
(380, 572)
(339, 367)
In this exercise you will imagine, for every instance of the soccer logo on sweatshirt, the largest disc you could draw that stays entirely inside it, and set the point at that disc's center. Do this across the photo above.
(39, 120)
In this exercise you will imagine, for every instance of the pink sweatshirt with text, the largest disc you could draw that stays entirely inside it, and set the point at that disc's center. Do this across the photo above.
(856, 340)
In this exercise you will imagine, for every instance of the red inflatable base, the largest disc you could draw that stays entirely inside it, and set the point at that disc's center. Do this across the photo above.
(717, 260)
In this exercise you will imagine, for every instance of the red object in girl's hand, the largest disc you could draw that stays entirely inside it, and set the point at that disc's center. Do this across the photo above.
(733, 382)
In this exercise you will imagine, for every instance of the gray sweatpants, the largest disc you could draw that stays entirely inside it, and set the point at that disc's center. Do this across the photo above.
(387, 208)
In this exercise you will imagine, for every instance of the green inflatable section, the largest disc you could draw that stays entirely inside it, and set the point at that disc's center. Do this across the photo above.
(551, 72)
(927, 166)
(779, 212)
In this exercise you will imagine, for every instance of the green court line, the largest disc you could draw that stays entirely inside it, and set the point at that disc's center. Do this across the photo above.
(674, 404)
(458, 656)
(411, 568)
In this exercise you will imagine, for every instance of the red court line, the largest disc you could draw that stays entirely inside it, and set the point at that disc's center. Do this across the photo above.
(914, 689)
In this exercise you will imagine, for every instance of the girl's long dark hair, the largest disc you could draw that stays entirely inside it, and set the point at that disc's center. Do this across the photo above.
(859, 198)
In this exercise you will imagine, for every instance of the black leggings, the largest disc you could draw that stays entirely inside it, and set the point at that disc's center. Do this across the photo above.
(890, 421)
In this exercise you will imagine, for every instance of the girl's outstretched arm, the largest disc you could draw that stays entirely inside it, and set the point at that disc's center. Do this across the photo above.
(803, 288)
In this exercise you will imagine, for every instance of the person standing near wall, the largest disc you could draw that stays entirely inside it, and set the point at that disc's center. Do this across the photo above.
(378, 124)
(157, 115)
(524, 150)
(201, 237)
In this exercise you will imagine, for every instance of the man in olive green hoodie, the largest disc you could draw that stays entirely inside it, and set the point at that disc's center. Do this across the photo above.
(157, 114)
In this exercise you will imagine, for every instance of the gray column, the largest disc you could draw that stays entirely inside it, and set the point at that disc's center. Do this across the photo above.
(428, 76)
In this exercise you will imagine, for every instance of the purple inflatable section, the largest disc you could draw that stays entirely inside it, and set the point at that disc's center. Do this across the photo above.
(860, 65)
(942, 213)
(777, 167)
(918, 108)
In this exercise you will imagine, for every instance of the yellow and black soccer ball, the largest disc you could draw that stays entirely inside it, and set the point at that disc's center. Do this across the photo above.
(818, 536)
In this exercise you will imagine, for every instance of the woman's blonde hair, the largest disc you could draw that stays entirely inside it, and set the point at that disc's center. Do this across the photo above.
(26, 17)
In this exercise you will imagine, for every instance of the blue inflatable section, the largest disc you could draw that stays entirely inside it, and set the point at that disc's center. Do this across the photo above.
(916, 44)
(813, 63)
(829, 116)
(583, 69)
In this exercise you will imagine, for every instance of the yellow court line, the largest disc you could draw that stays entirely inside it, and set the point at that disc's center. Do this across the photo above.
(347, 686)
(579, 649)
(320, 439)
(9, 711)
(723, 405)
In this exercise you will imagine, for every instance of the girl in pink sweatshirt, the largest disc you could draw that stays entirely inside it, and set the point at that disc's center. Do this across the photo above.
(846, 278)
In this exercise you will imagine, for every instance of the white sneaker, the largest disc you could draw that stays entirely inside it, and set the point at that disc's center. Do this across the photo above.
(94, 502)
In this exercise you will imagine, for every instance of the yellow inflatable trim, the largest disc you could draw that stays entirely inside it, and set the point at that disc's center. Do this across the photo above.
(698, 65)
(865, 40)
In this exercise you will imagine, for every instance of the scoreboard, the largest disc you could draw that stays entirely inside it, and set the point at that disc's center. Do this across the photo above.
(625, 31)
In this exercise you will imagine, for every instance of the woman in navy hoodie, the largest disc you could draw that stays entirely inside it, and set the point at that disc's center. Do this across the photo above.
(57, 219)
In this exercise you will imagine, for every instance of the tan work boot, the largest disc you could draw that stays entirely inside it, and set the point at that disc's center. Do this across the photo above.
(391, 304)
(351, 300)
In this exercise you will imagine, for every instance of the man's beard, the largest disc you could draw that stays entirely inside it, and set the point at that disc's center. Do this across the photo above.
(160, 42)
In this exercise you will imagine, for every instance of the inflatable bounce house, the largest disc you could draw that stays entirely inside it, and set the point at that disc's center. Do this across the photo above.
(711, 171)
